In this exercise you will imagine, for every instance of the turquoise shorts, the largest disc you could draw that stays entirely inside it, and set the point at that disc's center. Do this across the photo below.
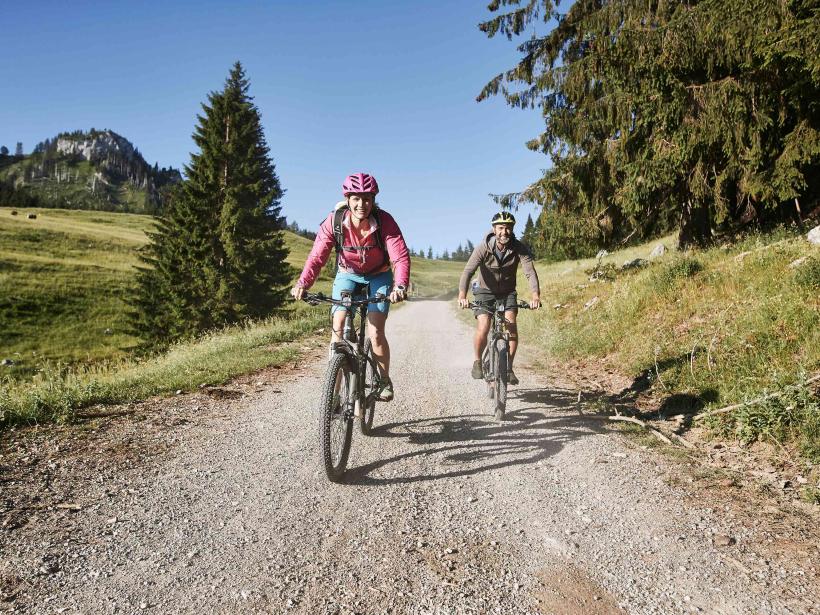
(380, 283)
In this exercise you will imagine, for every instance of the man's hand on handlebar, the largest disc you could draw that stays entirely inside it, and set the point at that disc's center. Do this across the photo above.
(463, 302)
(535, 302)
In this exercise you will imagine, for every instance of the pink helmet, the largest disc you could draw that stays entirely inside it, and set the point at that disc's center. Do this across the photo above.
(359, 182)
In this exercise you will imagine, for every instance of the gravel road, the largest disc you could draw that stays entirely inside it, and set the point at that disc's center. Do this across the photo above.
(445, 511)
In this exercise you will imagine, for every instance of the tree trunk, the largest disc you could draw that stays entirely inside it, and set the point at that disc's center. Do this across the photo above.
(695, 226)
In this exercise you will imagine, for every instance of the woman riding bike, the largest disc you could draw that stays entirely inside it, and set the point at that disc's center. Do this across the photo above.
(370, 250)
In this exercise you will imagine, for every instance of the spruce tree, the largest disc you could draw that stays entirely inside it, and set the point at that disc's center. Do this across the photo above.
(218, 254)
(529, 229)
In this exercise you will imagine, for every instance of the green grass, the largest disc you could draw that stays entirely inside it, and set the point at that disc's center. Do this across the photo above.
(722, 325)
(56, 395)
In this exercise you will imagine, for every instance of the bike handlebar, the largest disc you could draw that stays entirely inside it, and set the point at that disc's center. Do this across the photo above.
(316, 298)
(521, 304)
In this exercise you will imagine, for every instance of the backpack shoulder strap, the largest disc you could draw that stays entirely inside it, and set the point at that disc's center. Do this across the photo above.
(338, 231)
(379, 239)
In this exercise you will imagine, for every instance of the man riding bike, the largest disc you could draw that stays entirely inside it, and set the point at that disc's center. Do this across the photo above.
(367, 241)
(497, 259)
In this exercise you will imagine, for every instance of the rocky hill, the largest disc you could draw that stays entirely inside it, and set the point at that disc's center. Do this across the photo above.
(97, 169)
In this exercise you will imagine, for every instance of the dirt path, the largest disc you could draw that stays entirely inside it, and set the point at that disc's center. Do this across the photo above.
(222, 509)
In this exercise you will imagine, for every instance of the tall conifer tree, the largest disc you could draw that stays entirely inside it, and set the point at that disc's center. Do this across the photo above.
(218, 255)
(529, 229)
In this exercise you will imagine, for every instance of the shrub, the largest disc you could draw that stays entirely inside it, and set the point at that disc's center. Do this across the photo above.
(792, 414)
(666, 276)
(808, 274)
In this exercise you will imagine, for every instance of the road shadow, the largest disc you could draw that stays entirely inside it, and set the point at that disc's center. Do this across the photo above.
(687, 405)
(540, 423)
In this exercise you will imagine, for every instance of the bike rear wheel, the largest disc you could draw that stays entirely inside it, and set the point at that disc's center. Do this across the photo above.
(336, 416)
(502, 361)
(371, 382)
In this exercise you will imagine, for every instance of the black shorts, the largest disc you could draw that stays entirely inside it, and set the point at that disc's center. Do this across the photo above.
(485, 297)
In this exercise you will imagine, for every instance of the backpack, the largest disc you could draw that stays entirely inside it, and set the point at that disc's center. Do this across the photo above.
(338, 233)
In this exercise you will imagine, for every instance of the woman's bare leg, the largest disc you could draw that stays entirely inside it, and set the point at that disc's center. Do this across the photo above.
(381, 349)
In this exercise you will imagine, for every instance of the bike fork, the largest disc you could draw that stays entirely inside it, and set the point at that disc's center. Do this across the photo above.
(353, 402)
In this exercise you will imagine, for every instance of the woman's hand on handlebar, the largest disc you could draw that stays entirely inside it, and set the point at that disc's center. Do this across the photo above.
(397, 295)
(297, 292)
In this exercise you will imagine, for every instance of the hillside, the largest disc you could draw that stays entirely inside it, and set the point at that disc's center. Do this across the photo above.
(96, 170)
(64, 276)
(688, 332)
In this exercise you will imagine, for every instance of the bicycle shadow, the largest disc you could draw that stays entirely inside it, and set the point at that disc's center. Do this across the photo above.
(468, 444)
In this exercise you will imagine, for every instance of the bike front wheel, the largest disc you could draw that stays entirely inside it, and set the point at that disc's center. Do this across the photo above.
(336, 416)
(487, 367)
(501, 362)
(371, 382)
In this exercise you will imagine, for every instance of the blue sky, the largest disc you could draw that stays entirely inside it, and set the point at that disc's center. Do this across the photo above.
(386, 87)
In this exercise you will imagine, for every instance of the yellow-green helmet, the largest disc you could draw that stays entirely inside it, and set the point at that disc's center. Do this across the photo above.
(503, 217)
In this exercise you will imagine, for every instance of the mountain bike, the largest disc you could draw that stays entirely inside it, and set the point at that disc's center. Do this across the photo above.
(495, 361)
(351, 385)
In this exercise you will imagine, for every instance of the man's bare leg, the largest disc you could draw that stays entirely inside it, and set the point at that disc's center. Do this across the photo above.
(481, 331)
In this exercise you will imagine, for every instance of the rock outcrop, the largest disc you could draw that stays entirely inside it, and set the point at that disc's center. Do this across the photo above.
(98, 146)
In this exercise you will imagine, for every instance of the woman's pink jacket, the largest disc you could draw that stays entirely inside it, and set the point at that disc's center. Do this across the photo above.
(360, 261)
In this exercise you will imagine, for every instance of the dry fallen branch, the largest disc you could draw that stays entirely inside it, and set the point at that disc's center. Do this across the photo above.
(686, 443)
(630, 419)
(655, 432)
(726, 409)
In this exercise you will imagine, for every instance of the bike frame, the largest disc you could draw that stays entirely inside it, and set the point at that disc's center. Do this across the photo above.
(498, 331)
(352, 344)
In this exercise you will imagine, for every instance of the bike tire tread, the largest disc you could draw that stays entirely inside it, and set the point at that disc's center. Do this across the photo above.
(326, 406)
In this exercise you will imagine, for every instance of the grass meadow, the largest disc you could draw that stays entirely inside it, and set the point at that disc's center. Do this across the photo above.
(64, 279)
